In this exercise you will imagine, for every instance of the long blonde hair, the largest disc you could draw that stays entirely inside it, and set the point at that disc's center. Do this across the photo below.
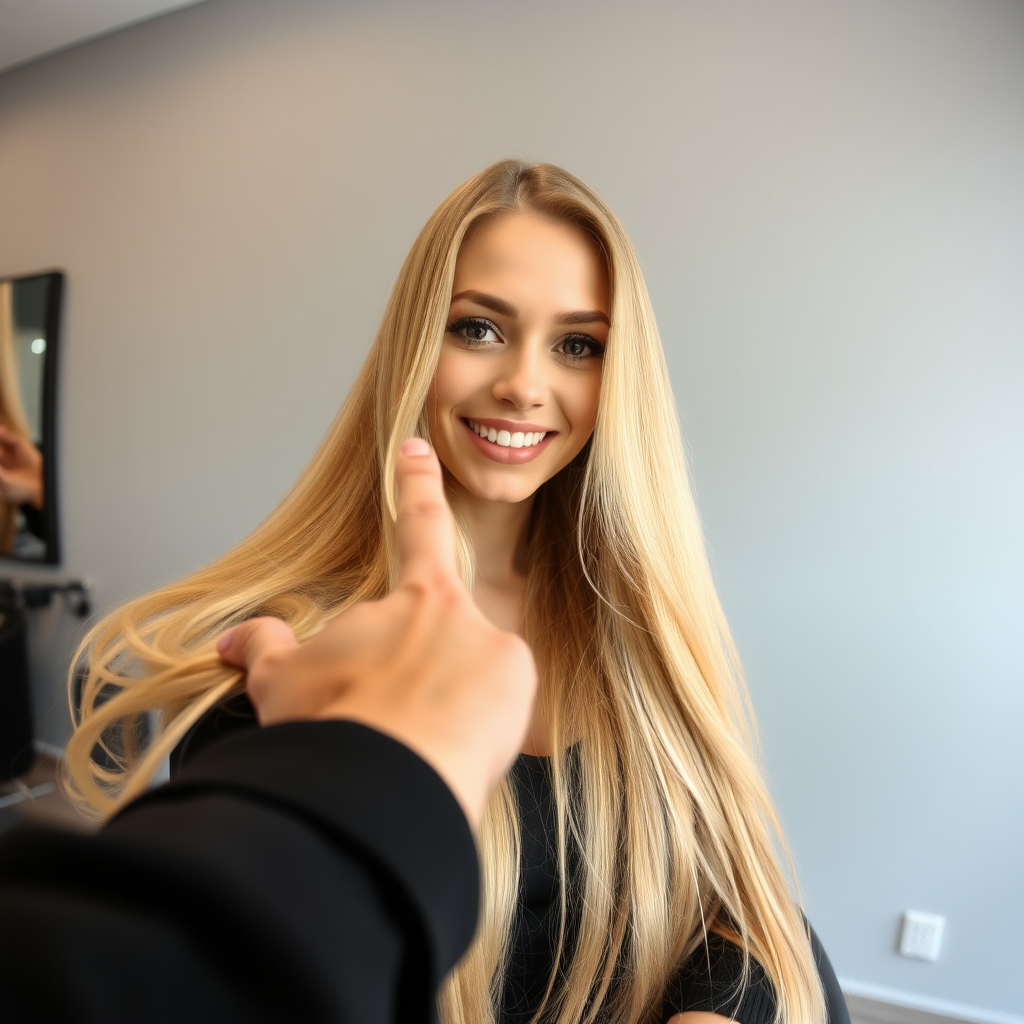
(12, 408)
(675, 827)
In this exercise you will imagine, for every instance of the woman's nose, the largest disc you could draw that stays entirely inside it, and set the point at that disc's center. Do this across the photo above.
(521, 378)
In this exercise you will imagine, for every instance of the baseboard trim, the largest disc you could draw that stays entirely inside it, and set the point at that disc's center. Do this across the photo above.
(927, 1004)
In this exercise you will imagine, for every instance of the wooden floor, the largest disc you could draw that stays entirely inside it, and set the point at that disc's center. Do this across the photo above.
(53, 808)
(45, 803)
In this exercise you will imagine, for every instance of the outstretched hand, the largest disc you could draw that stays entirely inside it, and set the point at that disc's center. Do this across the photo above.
(423, 665)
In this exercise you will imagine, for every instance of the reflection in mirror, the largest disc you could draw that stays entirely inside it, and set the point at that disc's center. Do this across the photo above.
(29, 316)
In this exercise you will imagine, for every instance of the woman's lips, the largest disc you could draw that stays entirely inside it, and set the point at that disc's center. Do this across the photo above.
(507, 456)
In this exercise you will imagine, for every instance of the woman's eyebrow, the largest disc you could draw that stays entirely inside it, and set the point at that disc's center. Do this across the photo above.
(584, 316)
(493, 303)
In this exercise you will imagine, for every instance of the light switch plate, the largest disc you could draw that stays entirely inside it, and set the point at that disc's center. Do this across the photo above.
(921, 937)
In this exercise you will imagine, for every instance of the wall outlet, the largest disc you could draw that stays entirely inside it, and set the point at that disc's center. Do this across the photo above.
(922, 935)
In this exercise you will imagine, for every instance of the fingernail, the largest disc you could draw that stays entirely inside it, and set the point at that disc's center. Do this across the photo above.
(415, 446)
(225, 641)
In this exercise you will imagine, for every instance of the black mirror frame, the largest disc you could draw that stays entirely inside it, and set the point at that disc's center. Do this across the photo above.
(51, 521)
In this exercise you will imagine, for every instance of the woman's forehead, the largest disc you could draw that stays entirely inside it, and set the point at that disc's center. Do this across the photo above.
(540, 259)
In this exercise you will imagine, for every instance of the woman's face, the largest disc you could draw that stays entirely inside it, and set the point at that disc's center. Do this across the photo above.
(521, 359)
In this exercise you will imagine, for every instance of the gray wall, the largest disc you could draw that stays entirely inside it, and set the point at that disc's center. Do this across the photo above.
(827, 201)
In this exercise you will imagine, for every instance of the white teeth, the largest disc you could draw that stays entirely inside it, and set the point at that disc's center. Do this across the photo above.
(507, 439)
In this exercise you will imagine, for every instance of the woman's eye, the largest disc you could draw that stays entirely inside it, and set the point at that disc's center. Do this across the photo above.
(476, 332)
(580, 347)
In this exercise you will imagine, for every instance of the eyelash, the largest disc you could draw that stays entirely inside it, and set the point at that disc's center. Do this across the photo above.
(596, 348)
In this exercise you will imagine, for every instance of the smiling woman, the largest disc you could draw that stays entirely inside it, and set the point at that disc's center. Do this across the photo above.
(630, 862)
(508, 362)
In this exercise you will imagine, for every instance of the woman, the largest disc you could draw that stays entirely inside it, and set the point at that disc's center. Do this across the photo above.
(520, 341)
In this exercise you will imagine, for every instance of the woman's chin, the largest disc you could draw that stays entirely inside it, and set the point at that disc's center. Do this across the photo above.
(499, 492)
(504, 496)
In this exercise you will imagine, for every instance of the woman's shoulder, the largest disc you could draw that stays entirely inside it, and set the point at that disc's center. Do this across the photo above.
(711, 980)
(221, 720)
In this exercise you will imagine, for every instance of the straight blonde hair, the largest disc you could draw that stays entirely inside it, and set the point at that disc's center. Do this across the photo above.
(12, 408)
(662, 793)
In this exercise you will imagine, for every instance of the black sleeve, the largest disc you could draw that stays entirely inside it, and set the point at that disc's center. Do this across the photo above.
(710, 981)
(313, 871)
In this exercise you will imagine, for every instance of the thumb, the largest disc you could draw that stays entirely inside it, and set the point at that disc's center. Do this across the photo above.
(425, 529)
(251, 640)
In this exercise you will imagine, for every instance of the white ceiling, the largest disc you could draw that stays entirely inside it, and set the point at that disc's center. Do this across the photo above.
(33, 28)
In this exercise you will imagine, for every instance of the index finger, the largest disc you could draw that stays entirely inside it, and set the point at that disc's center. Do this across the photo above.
(425, 528)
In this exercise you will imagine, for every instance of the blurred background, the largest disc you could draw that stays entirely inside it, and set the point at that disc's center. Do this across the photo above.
(828, 203)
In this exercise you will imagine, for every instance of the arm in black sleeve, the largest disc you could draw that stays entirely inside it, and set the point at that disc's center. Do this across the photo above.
(314, 871)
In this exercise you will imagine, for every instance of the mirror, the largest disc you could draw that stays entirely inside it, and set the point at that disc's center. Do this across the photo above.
(29, 319)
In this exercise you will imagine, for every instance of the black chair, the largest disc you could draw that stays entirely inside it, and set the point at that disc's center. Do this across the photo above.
(15, 702)
(834, 1001)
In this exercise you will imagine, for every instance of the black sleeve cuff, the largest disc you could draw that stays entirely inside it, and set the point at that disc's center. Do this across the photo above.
(358, 784)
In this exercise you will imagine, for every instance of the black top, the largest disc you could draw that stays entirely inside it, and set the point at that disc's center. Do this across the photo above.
(262, 885)
(708, 981)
